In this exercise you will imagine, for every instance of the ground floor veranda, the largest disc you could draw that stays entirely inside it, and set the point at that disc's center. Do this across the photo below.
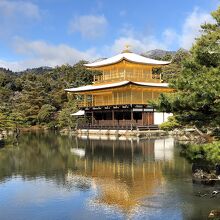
(118, 117)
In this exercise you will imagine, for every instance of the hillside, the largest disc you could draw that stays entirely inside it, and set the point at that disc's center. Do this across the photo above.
(159, 54)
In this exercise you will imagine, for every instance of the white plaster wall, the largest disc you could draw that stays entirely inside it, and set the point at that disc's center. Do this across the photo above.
(160, 117)
(167, 115)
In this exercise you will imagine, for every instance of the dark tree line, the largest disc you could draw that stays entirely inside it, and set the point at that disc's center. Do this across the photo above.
(37, 97)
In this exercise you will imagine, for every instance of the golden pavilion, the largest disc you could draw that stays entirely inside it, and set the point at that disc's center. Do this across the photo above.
(120, 95)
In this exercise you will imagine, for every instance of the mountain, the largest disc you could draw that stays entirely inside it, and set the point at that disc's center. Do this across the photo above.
(37, 70)
(159, 54)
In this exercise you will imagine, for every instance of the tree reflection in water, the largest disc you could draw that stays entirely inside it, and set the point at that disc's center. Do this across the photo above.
(136, 178)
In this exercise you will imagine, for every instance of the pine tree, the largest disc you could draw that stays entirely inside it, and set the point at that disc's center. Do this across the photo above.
(196, 97)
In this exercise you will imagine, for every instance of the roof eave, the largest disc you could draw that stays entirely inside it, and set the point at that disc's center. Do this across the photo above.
(102, 65)
(116, 86)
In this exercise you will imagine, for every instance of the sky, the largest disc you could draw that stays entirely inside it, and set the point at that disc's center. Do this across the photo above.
(37, 33)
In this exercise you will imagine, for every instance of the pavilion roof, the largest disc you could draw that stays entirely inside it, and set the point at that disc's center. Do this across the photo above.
(113, 85)
(132, 57)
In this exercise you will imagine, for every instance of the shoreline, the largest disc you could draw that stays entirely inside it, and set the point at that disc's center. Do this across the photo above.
(184, 135)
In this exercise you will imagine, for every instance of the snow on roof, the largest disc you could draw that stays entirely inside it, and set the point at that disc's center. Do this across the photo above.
(132, 57)
(79, 113)
(113, 85)
(96, 87)
(165, 85)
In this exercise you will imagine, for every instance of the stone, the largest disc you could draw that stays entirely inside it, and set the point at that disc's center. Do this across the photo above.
(214, 214)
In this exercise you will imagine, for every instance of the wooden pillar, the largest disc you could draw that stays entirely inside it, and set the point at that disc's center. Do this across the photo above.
(132, 120)
(113, 117)
(92, 118)
(152, 117)
(123, 119)
(102, 118)
(148, 118)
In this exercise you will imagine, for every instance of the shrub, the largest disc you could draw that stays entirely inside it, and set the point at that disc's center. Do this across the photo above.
(209, 152)
(170, 124)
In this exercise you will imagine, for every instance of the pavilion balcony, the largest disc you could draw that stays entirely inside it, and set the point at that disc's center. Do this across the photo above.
(128, 76)
(116, 102)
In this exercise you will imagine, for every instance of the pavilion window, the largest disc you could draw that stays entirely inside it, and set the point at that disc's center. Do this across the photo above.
(137, 115)
(127, 115)
(107, 75)
(118, 116)
(89, 98)
(98, 100)
(128, 72)
(107, 115)
(113, 73)
(156, 95)
(114, 97)
(146, 74)
(98, 115)
(139, 74)
(147, 96)
(121, 72)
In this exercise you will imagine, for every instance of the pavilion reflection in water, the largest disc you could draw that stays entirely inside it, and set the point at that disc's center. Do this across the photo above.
(124, 172)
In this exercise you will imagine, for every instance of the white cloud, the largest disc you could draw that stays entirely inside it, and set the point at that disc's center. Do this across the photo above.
(128, 31)
(90, 26)
(138, 42)
(10, 8)
(40, 53)
(15, 15)
(8, 65)
(191, 27)
(138, 45)
(169, 38)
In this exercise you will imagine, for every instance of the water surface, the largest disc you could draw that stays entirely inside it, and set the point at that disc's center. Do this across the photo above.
(48, 176)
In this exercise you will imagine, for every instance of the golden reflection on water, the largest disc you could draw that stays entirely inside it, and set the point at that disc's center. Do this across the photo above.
(59, 177)
(125, 172)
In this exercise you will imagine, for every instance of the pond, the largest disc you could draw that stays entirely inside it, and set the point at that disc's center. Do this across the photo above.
(48, 176)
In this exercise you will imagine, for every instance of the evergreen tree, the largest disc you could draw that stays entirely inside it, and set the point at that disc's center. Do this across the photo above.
(65, 120)
(46, 113)
(173, 70)
(196, 96)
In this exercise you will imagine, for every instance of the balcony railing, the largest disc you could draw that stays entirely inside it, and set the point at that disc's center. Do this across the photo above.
(81, 104)
(109, 103)
(129, 76)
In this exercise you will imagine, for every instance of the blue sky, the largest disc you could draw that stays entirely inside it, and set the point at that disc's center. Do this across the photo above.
(54, 32)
